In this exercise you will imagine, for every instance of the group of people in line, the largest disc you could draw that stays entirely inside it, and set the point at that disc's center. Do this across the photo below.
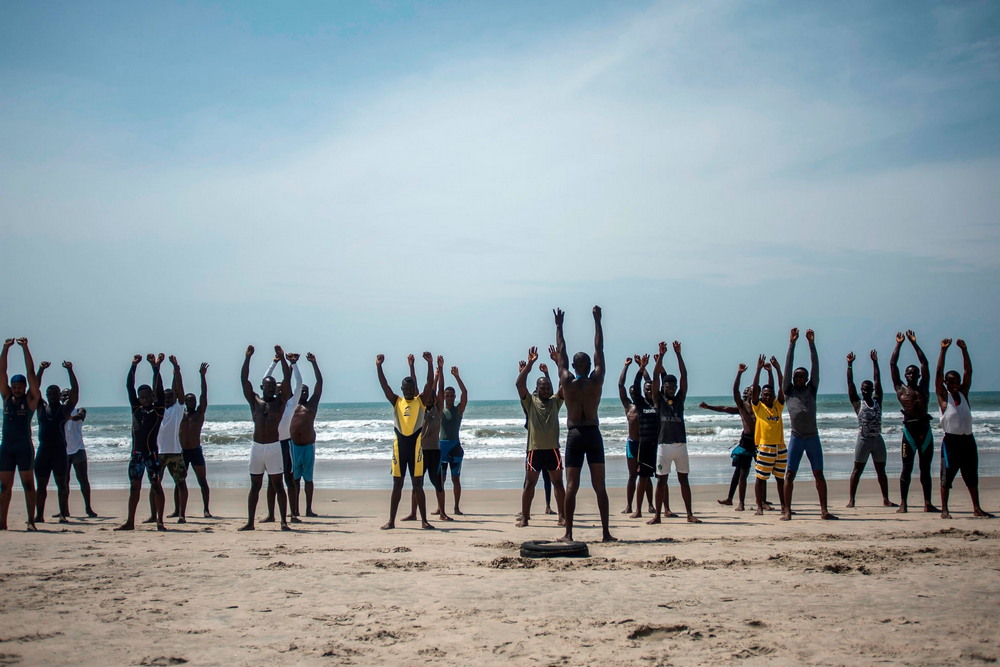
(167, 426)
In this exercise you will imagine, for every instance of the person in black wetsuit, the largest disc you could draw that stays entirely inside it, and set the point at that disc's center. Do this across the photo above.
(20, 400)
(918, 442)
(642, 449)
(51, 457)
(147, 413)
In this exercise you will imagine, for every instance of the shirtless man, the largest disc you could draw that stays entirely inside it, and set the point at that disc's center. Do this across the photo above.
(302, 430)
(918, 442)
(76, 451)
(801, 390)
(51, 457)
(582, 389)
(265, 453)
(452, 453)
(772, 456)
(541, 409)
(21, 396)
(868, 407)
(745, 451)
(408, 413)
(958, 448)
(285, 438)
(147, 413)
(190, 437)
(672, 440)
(635, 409)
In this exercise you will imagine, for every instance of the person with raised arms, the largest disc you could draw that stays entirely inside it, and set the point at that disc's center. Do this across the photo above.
(190, 437)
(637, 414)
(772, 456)
(285, 438)
(745, 452)
(958, 447)
(582, 390)
(918, 441)
(51, 458)
(265, 453)
(168, 443)
(541, 409)
(408, 419)
(452, 453)
(302, 430)
(76, 451)
(868, 407)
(21, 396)
(147, 413)
(430, 443)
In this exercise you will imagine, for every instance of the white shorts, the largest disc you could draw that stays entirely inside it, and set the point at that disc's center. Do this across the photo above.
(266, 458)
(676, 454)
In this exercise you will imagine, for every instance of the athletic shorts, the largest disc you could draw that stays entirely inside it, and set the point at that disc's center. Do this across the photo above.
(148, 463)
(584, 442)
(959, 454)
(811, 447)
(303, 461)
(544, 459)
(20, 456)
(672, 454)
(744, 452)
(286, 455)
(266, 459)
(873, 446)
(432, 463)
(407, 456)
(631, 448)
(49, 460)
(194, 457)
(79, 456)
(452, 454)
(174, 464)
(917, 436)
(771, 458)
(646, 456)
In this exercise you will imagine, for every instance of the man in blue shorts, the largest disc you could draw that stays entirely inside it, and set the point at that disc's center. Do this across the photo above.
(147, 413)
(450, 442)
(302, 430)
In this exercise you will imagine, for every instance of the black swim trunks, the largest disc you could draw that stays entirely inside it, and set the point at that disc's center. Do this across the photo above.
(194, 457)
(544, 459)
(584, 442)
(959, 454)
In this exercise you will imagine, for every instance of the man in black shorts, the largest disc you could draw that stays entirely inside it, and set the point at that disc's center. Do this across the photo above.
(51, 457)
(635, 410)
(582, 389)
(918, 442)
(542, 411)
(190, 436)
(20, 400)
(745, 452)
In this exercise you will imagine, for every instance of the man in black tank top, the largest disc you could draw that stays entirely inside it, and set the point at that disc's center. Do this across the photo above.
(51, 457)
(20, 400)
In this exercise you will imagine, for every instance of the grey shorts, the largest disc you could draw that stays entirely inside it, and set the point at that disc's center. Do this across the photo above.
(872, 446)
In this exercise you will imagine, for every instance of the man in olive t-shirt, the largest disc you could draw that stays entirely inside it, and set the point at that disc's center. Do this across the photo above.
(542, 411)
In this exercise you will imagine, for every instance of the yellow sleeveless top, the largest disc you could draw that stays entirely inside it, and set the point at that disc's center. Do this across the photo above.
(408, 415)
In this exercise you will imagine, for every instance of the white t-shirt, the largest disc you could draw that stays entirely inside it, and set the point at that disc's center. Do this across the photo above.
(285, 425)
(74, 434)
(168, 441)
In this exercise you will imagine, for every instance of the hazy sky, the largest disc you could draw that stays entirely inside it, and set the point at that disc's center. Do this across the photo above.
(349, 179)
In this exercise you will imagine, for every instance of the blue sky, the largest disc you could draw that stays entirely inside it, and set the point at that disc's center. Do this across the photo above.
(353, 178)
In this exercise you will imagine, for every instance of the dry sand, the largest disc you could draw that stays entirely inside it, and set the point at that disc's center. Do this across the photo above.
(874, 587)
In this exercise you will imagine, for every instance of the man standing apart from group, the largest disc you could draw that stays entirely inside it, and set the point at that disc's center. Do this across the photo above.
(582, 389)
(958, 449)
(265, 453)
(190, 437)
(800, 392)
(542, 411)
(147, 413)
(452, 453)
(302, 430)
(868, 407)
(918, 442)
(21, 396)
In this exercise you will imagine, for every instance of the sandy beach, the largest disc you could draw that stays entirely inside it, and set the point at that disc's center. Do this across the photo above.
(874, 587)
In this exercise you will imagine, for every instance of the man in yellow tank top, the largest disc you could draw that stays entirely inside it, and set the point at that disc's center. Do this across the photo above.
(772, 456)
(408, 421)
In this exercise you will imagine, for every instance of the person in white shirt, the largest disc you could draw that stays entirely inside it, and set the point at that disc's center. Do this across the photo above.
(76, 452)
(285, 437)
(168, 443)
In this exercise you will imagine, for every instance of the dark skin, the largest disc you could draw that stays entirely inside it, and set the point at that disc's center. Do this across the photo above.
(437, 398)
(266, 411)
(871, 393)
(670, 392)
(953, 387)
(303, 425)
(52, 407)
(766, 396)
(171, 397)
(642, 486)
(543, 389)
(80, 467)
(32, 393)
(582, 390)
(147, 399)
(914, 398)
(449, 403)
(190, 436)
(632, 413)
(289, 479)
(745, 411)
(409, 390)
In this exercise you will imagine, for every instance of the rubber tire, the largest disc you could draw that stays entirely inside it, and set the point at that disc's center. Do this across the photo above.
(546, 549)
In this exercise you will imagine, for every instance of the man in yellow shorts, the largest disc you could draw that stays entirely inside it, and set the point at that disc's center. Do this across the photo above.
(771, 453)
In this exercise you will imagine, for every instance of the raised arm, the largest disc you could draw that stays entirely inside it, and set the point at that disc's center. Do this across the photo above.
(429, 384)
(737, 394)
(390, 395)
(293, 363)
(897, 380)
(248, 393)
(852, 391)
(755, 388)
(34, 386)
(925, 373)
(939, 388)
(133, 400)
(521, 383)
(74, 387)
(318, 386)
(789, 360)
(967, 368)
(178, 382)
(562, 362)
(4, 383)
(439, 381)
(781, 380)
(156, 362)
(203, 402)
(463, 399)
(876, 376)
(658, 372)
(41, 370)
(271, 368)
(682, 388)
(598, 373)
(640, 373)
(285, 392)
(622, 393)
(813, 360)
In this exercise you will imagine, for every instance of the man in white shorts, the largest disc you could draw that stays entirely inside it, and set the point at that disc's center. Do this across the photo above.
(672, 450)
(265, 453)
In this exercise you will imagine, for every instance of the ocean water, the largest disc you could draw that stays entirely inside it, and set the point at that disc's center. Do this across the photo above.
(354, 440)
